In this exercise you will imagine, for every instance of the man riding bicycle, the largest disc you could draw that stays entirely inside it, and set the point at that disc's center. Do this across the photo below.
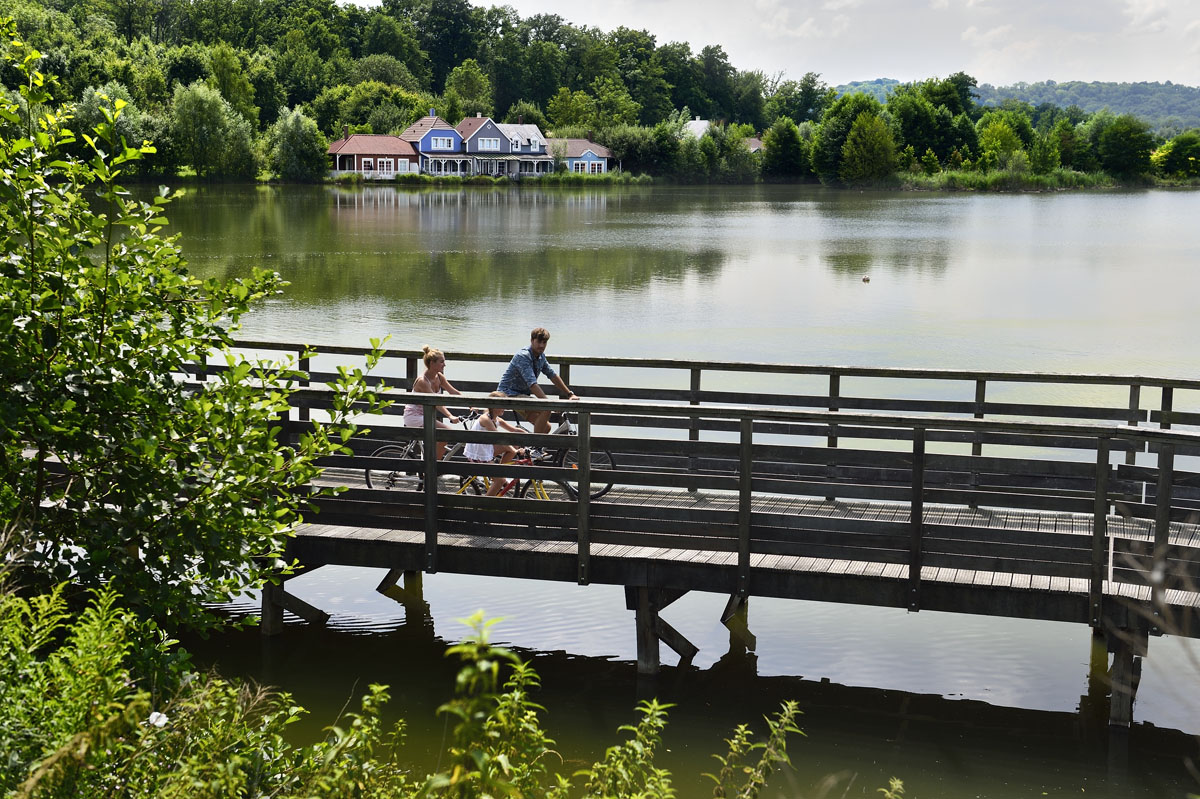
(521, 376)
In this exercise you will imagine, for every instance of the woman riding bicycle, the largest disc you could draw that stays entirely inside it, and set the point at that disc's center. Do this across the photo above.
(492, 420)
(432, 381)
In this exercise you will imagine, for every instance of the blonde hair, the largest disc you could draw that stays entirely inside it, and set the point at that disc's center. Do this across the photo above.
(497, 408)
(431, 354)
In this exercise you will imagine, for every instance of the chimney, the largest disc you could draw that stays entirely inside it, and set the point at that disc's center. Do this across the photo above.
(479, 115)
(590, 136)
(520, 119)
(345, 131)
(433, 112)
(697, 117)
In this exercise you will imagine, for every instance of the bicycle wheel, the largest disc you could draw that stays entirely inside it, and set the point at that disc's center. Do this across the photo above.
(472, 485)
(390, 478)
(601, 459)
(546, 489)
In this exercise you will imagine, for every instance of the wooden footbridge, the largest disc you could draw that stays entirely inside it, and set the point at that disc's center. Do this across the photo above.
(1060, 497)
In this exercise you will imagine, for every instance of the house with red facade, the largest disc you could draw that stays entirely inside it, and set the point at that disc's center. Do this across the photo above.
(374, 156)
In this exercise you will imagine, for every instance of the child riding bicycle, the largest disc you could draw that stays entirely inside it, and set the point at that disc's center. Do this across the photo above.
(492, 420)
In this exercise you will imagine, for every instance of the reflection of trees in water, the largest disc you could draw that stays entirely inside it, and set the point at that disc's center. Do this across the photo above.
(469, 276)
(887, 256)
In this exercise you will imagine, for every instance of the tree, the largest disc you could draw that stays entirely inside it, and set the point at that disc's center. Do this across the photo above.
(869, 153)
(387, 36)
(785, 154)
(571, 108)
(523, 111)
(1180, 157)
(228, 77)
(473, 88)
(800, 101)
(385, 69)
(1125, 147)
(614, 106)
(1043, 158)
(210, 134)
(544, 67)
(449, 34)
(114, 472)
(717, 74)
(998, 143)
(834, 129)
(297, 150)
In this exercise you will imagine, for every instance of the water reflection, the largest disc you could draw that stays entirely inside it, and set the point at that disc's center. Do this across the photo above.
(855, 737)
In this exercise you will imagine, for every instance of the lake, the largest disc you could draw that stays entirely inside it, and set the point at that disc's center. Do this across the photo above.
(954, 705)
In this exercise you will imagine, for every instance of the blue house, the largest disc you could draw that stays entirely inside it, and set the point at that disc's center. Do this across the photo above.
(582, 156)
(439, 146)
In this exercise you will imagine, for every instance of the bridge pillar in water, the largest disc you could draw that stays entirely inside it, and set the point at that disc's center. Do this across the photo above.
(646, 602)
(1128, 648)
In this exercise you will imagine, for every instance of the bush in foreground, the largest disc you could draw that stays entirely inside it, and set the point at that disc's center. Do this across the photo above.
(96, 705)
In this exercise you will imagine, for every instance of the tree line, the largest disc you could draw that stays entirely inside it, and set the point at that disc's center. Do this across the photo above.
(232, 88)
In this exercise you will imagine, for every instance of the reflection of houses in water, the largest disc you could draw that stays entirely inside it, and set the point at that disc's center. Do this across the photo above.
(377, 198)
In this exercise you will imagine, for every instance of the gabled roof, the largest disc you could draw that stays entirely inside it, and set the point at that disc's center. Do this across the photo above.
(525, 133)
(471, 124)
(372, 144)
(697, 127)
(416, 130)
(754, 145)
(577, 147)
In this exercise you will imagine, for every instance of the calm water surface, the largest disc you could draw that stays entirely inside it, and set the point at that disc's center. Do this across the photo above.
(956, 705)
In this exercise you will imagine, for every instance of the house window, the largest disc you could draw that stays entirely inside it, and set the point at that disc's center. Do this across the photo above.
(441, 143)
(597, 167)
(368, 164)
(490, 144)
(387, 166)
(580, 167)
(515, 141)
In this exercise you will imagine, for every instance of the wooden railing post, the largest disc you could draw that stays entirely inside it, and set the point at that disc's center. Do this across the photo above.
(1168, 394)
(977, 444)
(1135, 406)
(1099, 532)
(305, 364)
(1162, 525)
(411, 371)
(745, 495)
(431, 486)
(584, 448)
(835, 392)
(917, 516)
(564, 371)
(694, 426)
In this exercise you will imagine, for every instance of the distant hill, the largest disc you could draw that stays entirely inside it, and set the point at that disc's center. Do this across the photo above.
(1169, 107)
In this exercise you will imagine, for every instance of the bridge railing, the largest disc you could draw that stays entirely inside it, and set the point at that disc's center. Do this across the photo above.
(752, 476)
(919, 504)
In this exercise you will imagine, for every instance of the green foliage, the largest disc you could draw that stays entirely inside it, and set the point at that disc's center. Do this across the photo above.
(297, 150)
(568, 108)
(785, 154)
(472, 87)
(80, 721)
(1125, 147)
(869, 154)
(998, 145)
(526, 112)
(834, 129)
(210, 135)
(384, 69)
(613, 105)
(1044, 157)
(1165, 106)
(1180, 157)
(114, 472)
(227, 77)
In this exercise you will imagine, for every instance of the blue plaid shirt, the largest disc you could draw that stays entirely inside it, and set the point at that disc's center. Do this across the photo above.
(523, 371)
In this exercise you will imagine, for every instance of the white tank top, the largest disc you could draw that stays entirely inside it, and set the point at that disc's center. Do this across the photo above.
(480, 453)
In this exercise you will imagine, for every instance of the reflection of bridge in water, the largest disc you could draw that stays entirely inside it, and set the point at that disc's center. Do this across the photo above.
(898, 494)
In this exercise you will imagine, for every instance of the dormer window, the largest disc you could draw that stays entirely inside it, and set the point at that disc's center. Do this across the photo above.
(516, 142)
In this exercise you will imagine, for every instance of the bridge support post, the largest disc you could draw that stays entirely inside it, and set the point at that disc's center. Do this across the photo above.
(1128, 648)
(736, 620)
(646, 615)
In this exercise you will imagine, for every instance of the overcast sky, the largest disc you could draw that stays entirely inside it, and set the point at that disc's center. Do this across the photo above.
(997, 41)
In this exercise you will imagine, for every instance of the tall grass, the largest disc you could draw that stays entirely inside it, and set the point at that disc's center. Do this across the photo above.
(1005, 180)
